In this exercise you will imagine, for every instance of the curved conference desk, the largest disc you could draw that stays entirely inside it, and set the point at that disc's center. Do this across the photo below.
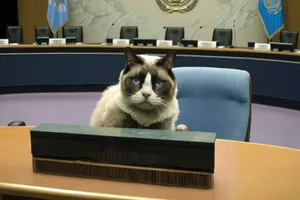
(243, 171)
(38, 68)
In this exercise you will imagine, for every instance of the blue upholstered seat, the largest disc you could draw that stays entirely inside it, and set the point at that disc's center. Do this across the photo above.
(215, 100)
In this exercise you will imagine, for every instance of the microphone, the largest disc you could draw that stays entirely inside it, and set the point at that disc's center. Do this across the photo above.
(234, 33)
(108, 32)
(197, 31)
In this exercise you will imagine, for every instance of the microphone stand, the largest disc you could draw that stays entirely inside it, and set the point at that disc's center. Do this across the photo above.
(234, 34)
(196, 31)
(108, 32)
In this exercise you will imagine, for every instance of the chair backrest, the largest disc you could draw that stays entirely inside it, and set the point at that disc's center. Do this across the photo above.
(215, 100)
(43, 31)
(289, 37)
(223, 36)
(14, 34)
(174, 33)
(73, 31)
(129, 32)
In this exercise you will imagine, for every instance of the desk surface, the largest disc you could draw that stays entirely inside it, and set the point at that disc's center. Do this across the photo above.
(91, 48)
(244, 171)
(141, 47)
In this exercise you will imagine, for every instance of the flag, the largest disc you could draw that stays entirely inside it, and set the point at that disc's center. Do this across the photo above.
(271, 13)
(58, 14)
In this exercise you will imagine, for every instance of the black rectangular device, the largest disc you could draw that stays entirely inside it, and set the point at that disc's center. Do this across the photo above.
(71, 40)
(143, 42)
(189, 43)
(282, 47)
(251, 45)
(109, 41)
(42, 40)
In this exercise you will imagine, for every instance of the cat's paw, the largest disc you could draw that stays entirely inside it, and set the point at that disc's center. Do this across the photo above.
(181, 127)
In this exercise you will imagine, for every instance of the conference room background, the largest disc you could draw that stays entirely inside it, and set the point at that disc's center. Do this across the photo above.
(97, 16)
(62, 84)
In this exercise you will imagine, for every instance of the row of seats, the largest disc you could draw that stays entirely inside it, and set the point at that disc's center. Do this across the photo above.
(176, 34)
(15, 33)
(223, 35)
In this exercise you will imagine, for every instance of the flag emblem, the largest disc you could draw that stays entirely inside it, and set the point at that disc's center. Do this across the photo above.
(60, 5)
(273, 6)
(272, 16)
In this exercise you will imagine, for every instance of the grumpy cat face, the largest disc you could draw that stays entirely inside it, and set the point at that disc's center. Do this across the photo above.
(147, 82)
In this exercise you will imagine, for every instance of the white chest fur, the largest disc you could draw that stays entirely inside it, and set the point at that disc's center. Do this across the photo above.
(146, 118)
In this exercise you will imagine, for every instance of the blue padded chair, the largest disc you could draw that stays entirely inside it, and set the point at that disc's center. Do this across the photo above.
(215, 100)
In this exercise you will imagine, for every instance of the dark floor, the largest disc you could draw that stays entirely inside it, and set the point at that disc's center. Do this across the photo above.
(270, 125)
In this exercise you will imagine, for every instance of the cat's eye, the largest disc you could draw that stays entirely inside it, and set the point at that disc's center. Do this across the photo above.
(159, 83)
(136, 81)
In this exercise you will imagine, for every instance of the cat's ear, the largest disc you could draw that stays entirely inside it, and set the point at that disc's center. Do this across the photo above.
(131, 58)
(167, 61)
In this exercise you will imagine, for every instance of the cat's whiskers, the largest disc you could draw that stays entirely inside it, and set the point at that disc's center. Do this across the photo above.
(162, 103)
(155, 101)
(137, 100)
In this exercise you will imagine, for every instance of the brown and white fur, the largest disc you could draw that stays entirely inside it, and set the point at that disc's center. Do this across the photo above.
(145, 96)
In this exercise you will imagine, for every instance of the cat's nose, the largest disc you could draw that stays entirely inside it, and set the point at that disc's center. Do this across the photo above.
(146, 95)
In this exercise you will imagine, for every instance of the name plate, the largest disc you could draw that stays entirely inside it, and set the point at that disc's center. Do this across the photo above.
(57, 41)
(121, 41)
(207, 44)
(4, 42)
(164, 43)
(262, 46)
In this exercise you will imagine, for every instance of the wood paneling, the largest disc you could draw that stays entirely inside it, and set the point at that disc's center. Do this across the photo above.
(32, 13)
(292, 15)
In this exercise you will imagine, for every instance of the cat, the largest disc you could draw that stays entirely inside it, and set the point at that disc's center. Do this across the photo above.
(144, 97)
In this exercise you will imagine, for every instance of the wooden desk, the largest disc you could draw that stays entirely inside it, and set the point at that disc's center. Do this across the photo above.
(244, 171)
(91, 48)
(3, 48)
